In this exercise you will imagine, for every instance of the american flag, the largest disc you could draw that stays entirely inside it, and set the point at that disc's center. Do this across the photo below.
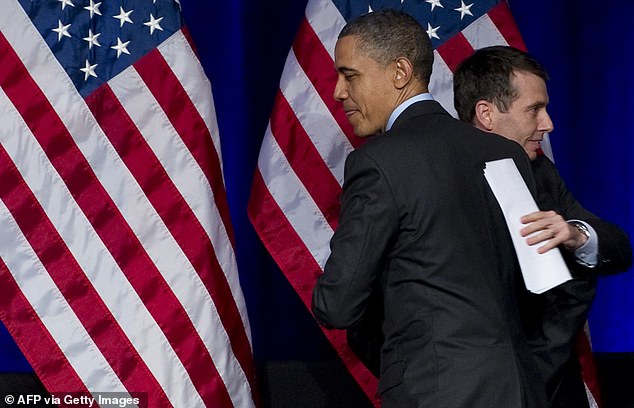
(294, 200)
(117, 264)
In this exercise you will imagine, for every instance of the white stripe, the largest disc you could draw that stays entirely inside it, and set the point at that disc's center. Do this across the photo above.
(186, 66)
(321, 127)
(93, 258)
(181, 167)
(326, 20)
(199, 196)
(294, 200)
(591, 401)
(441, 84)
(53, 310)
(483, 33)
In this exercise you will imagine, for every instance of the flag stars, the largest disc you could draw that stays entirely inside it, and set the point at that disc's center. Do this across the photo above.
(464, 9)
(434, 3)
(92, 39)
(431, 31)
(66, 3)
(123, 16)
(93, 8)
(61, 30)
(89, 70)
(121, 47)
(154, 24)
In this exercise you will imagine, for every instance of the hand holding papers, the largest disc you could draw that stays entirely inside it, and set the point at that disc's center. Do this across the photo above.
(541, 271)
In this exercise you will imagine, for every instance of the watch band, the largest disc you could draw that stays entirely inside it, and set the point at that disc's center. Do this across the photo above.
(581, 227)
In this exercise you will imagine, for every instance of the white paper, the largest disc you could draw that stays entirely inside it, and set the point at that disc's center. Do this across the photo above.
(541, 271)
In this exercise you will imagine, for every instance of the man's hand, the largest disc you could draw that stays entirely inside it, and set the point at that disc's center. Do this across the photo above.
(550, 228)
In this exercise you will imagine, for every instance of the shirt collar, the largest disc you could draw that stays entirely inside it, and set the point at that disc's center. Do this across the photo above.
(400, 108)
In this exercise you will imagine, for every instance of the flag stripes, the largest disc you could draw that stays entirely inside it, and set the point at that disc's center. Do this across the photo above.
(503, 22)
(152, 174)
(188, 123)
(117, 204)
(158, 188)
(317, 119)
(307, 163)
(281, 236)
(454, 51)
(88, 310)
(296, 204)
(316, 64)
(15, 306)
(101, 212)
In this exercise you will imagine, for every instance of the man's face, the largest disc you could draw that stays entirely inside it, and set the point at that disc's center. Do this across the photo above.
(364, 87)
(527, 119)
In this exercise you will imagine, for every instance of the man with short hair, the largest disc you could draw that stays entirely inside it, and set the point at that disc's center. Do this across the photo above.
(502, 90)
(419, 221)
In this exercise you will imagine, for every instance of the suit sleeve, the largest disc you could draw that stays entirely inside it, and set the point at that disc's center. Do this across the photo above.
(367, 224)
(615, 251)
(565, 308)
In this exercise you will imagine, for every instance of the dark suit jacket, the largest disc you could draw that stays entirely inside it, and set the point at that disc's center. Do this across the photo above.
(552, 320)
(565, 308)
(419, 220)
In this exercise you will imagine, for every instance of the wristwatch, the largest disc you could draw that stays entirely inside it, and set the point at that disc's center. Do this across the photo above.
(581, 227)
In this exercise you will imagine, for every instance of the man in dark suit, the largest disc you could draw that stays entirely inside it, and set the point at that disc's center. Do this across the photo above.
(503, 90)
(419, 221)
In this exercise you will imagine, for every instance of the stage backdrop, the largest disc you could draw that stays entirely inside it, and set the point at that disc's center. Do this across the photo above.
(585, 46)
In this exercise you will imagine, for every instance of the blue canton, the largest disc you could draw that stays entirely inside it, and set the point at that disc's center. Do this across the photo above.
(94, 40)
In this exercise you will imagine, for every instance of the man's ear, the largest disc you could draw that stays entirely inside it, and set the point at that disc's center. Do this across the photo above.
(403, 72)
(484, 115)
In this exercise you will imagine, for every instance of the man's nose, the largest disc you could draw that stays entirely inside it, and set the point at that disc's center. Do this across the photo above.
(341, 92)
(546, 124)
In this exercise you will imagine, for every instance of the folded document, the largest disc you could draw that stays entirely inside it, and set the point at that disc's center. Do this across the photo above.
(541, 271)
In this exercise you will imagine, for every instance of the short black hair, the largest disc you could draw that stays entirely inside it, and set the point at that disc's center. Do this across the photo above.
(487, 75)
(386, 35)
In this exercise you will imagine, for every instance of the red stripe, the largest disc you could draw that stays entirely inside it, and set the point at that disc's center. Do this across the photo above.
(190, 40)
(184, 116)
(588, 368)
(320, 69)
(504, 21)
(301, 270)
(305, 160)
(40, 349)
(73, 283)
(180, 220)
(455, 50)
(191, 127)
(112, 229)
